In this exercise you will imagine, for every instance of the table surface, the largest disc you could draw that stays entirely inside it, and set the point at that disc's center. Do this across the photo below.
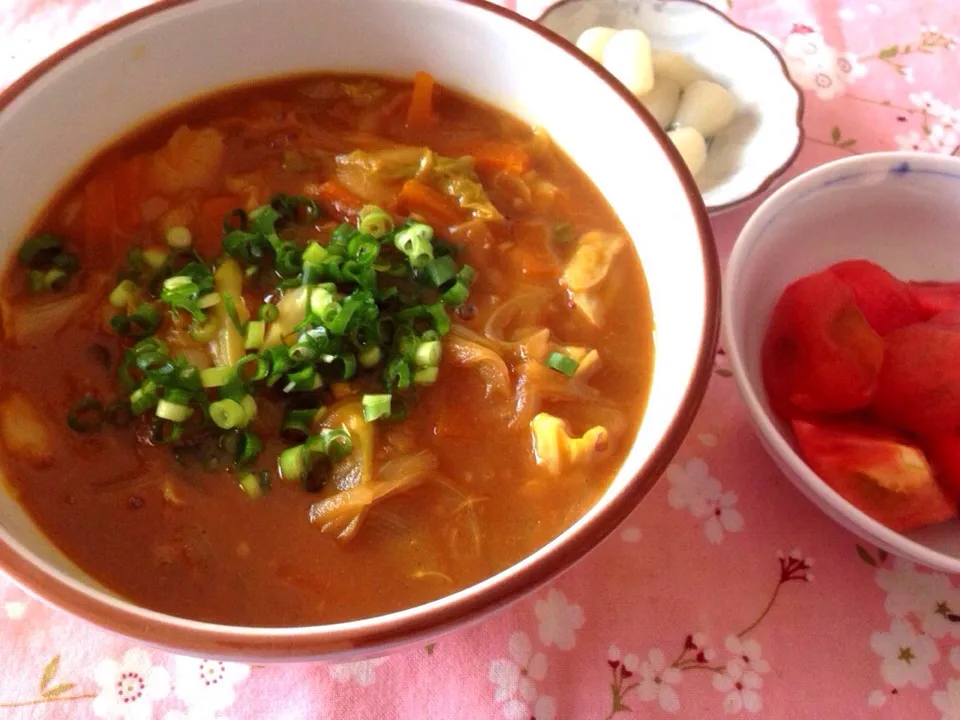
(703, 604)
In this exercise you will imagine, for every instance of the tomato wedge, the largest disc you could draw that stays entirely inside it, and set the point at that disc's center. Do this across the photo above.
(879, 472)
(933, 298)
(884, 300)
(919, 385)
(943, 449)
(820, 353)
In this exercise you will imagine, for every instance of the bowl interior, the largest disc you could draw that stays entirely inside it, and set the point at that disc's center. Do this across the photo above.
(898, 210)
(765, 133)
(161, 58)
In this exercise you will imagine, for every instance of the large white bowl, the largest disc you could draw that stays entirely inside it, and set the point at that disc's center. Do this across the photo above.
(56, 117)
(900, 210)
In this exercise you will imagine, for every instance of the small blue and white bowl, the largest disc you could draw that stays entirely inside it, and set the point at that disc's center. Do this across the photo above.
(900, 210)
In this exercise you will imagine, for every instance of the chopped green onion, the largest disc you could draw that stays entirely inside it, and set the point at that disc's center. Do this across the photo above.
(123, 294)
(55, 279)
(426, 375)
(414, 242)
(320, 299)
(177, 281)
(375, 406)
(143, 398)
(457, 294)
(232, 311)
(174, 412)
(440, 270)
(303, 380)
(206, 331)
(142, 323)
(298, 424)
(37, 284)
(179, 237)
(256, 334)
(336, 442)
(87, 415)
(249, 406)
(268, 312)
(38, 252)
(227, 414)
(428, 354)
(252, 368)
(249, 447)
(216, 376)
(68, 262)
(562, 363)
(154, 258)
(374, 221)
(370, 357)
(208, 300)
(315, 253)
(250, 485)
(293, 463)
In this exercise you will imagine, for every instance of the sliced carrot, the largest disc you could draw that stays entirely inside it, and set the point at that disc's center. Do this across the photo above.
(337, 200)
(129, 192)
(99, 215)
(531, 255)
(492, 155)
(436, 209)
(420, 116)
(212, 212)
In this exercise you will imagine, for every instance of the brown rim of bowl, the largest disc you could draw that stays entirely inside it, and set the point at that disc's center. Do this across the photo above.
(288, 643)
(801, 100)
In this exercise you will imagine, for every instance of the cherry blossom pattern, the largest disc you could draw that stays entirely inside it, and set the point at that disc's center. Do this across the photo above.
(130, 687)
(738, 677)
(51, 689)
(207, 686)
(929, 597)
(913, 140)
(559, 620)
(816, 66)
(740, 680)
(924, 608)
(931, 40)
(906, 656)
(947, 701)
(692, 487)
(361, 672)
(651, 680)
(740, 687)
(938, 124)
(515, 677)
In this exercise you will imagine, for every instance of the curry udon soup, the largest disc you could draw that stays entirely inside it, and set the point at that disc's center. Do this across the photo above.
(317, 350)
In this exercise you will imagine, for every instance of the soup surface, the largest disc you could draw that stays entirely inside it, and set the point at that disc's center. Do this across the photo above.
(319, 349)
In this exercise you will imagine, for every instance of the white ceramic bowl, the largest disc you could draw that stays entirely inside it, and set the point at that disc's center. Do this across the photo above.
(767, 132)
(900, 210)
(149, 61)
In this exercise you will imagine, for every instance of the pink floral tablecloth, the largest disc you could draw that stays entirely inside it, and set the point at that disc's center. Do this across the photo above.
(703, 604)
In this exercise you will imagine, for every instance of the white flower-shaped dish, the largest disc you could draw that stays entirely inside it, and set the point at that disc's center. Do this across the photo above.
(766, 133)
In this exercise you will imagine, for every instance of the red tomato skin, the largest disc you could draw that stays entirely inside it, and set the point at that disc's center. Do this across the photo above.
(864, 464)
(933, 298)
(919, 385)
(943, 449)
(884, 300)
(819, 353)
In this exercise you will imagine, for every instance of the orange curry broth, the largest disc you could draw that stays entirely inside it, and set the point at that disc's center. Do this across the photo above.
(191, 543)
